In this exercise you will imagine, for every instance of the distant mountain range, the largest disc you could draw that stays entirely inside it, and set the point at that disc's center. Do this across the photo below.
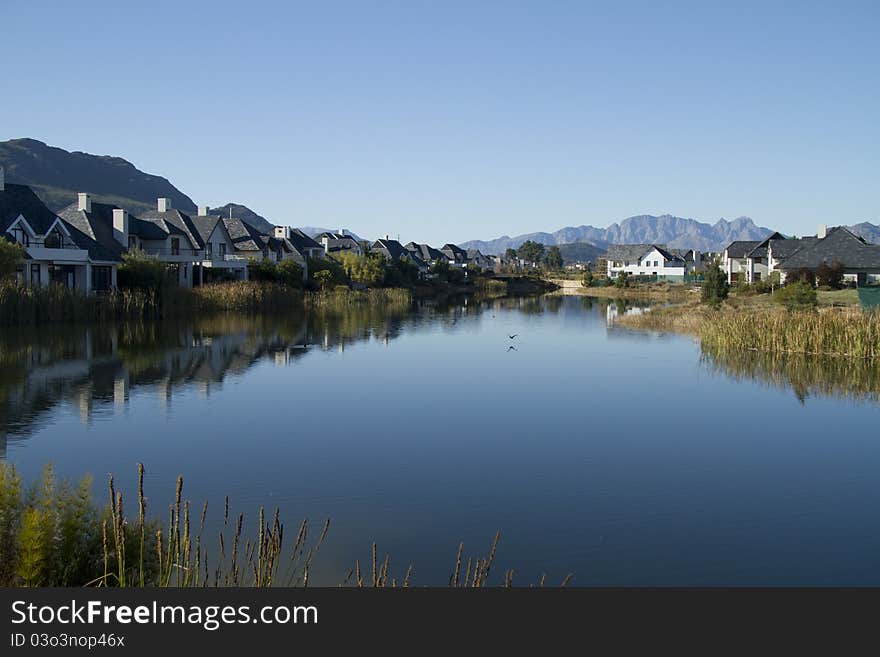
(675, 232)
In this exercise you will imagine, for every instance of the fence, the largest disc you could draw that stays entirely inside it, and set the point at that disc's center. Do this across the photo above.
(869, 297)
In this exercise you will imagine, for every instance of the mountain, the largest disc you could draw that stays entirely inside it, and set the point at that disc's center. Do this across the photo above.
(675, 232)
(580, 252)
(869, 232)
(56, 175)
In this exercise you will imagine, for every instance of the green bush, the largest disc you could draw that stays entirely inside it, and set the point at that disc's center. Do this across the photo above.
(367, 270)
(588, 279)
(796, 296)
(622, 280)
(287, 272)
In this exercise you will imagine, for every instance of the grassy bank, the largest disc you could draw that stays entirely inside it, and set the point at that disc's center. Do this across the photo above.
(757, 324)
(647, 292)
(52, 534)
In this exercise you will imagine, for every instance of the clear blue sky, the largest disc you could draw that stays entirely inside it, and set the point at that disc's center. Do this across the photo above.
(447, 121)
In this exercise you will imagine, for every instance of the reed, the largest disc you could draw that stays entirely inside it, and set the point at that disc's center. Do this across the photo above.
(343, 298)
(55, 536)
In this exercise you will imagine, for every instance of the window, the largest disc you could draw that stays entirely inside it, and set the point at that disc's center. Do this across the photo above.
(54, 240)
(19, 274)
(655, 263)
(210, 250)
(175, 246)
(35, 275)
(222, 250)
(20, 236)
(132, 242)
(185, 269)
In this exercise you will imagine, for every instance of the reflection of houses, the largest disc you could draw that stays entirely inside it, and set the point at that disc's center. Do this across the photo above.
(55, 250)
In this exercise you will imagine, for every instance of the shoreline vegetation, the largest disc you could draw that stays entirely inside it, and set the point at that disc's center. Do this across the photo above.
(22, 305)
(53, 534)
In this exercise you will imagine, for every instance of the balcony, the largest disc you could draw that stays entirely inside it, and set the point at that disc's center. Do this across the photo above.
(57, 252)
(168, 253)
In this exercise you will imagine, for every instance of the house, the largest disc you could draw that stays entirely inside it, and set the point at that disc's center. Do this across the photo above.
(749, 259)
(221, 260)
(427, 253)
(394, 250)
(338, 242)
(693, 259)
(644, 260)
(860, 259)
(55, 251)
(303, 245)
(475, 257)
(456, 255)
(172, 237)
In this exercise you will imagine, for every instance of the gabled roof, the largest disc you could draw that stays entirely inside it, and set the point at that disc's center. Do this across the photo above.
(457, 252)
(741, 248)
(630, 252)
(474, 253)
(205, 225)
(244, 237)
(424, 251)
(393, 248)
(97, 225)
(783, 249)
(175, 222)
(301, 242)
(839, 245)
(18, 200)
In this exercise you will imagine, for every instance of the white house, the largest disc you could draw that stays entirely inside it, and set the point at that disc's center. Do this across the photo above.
(644, 260)
(55, 250)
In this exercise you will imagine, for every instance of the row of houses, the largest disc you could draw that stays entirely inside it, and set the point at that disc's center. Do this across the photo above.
(82, 245)
(754, 261)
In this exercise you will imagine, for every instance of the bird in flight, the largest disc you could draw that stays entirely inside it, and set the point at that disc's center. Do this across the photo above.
(511, 348)
(513, 336)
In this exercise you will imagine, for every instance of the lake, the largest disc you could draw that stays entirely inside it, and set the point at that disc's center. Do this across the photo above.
(626, 458)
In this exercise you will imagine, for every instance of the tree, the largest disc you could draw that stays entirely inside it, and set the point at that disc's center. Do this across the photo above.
(11, 255)
(510, 254)
(531, 251)
(588, 278)
(715, 287)
(830, 275)
(441, 269)
(290, 273)
(553, 260)
(368, 270)
(622, 280)
(324, 278)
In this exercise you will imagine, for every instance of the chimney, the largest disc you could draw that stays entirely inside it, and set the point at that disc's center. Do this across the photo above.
(386, 238)
(203, 210)
(120, 226)
(282, 232)
(326, 242)
(164, 204)
(2, 179)
(83, 202)
(341, 232)
(822, 232)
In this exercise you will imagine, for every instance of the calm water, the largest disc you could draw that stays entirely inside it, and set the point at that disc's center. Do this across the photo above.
(627, 458)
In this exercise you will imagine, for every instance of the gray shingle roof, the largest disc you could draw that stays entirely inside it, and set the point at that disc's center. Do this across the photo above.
(301, 242)
(244, 236)
(741, 248)
(424, 251)
(629, 252)
(783, 249)
(20, 200)
(392, 248)
(97, 225)
(840, 245)
(175, 222)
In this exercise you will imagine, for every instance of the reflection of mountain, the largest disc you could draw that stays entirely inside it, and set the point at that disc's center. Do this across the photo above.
(806, 376)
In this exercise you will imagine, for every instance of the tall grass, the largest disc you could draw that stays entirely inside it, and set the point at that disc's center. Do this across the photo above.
(53, 535)
(341, 298)
(832, 332)
(25, 305)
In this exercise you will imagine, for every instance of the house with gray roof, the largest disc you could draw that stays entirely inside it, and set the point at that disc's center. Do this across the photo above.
(749, 259)
(339, 242)
(426, 252)
(860, 259)
(645, 260)
(55, 251)
(394, 250)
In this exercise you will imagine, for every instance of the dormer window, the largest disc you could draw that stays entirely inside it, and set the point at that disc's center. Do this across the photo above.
(20, 236)
(54, 240)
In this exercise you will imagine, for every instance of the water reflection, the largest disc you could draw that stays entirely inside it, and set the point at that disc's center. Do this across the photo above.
(806, 376)
(96, 368)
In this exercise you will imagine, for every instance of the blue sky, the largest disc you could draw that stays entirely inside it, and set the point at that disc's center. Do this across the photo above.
(447, 121)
